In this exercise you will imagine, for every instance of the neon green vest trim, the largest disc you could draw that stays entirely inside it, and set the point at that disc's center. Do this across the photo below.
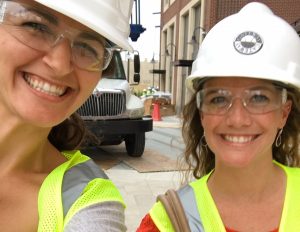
(290, 221)
(51, 218)
(210, 217)
(291, 210)
(160, 218)
(94, 193)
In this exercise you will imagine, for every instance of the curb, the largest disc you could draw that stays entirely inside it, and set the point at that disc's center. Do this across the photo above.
(168, 121)
(167, 124)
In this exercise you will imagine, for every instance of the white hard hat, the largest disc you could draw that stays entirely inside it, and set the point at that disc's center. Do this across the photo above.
(109, 18)
(252, 43)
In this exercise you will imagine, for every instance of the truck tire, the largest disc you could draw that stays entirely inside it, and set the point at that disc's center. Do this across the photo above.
(135, 144)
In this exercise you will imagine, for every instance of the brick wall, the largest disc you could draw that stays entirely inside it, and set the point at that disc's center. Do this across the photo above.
(219, 9)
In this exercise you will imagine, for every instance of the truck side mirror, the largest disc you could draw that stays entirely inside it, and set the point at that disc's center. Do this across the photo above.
(136, 77)
(136, 64)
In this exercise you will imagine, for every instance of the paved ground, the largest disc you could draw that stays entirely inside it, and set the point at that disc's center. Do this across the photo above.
(140, 189)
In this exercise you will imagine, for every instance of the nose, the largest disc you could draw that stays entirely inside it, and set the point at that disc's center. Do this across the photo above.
(237, 114)
(59, 58)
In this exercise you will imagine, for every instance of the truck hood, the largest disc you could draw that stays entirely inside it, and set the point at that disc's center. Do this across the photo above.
(134, 105)
(110, 84)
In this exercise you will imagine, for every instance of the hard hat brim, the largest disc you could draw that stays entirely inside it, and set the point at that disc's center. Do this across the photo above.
(90, 18)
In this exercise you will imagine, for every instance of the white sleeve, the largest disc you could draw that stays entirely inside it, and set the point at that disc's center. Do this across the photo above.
(102, 217)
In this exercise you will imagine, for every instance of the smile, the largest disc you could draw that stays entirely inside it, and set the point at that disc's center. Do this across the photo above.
(45, 87)
(238, 139)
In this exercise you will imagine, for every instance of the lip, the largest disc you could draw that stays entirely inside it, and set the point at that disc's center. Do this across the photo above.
(44, 87)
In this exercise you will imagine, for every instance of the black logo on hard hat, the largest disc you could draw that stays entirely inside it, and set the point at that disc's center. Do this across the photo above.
(248, 43)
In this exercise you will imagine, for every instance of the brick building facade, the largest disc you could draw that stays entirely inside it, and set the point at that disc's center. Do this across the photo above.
(183, 26)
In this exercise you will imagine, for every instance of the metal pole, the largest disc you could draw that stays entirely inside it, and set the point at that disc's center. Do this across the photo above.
(153, 75)
(153, 62)
(159, 77)
(128, 66)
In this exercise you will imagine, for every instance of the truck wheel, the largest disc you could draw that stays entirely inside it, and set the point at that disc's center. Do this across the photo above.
(135, 144)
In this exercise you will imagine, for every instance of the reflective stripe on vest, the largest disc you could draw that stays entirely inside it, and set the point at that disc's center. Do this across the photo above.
(188, 201)
(210, 218)
(203, 215)
(187, 198)
(76, 179)
(72, 186)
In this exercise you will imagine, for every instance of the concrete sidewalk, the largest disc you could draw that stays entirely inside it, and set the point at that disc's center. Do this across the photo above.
(141, 189)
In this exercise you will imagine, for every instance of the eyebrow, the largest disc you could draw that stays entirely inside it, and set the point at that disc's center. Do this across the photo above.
(253, 87)
(54, 20)
(210, 91)
(46, 15)
(92, 36)
(262, 87)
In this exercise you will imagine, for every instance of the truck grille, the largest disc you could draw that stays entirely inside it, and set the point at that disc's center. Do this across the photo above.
(103, 104)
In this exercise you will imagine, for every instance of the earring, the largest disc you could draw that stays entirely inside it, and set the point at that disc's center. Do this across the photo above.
(203, 143)
(278, 138)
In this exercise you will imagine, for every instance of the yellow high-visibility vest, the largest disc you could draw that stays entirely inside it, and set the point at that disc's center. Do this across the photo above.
(203, 215)
(72, 186)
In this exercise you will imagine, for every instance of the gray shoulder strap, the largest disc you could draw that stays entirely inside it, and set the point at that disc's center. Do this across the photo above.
(189, 203)
(76, 179)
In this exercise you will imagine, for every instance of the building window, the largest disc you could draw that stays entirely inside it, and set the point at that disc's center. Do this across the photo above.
(185, 20)
(166, 3)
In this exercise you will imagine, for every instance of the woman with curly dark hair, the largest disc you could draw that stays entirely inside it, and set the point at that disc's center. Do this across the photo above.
(241, 129)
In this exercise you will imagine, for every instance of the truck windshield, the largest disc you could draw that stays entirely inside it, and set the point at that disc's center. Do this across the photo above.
(115, 70)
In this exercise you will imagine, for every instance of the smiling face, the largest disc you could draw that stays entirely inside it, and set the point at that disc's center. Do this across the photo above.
(238, 137)
(39, 87)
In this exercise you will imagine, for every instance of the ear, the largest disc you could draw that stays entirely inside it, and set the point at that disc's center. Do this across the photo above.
(201, 115)
(285, 112)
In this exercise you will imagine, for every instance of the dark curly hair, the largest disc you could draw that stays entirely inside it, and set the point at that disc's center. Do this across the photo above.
(69, 134)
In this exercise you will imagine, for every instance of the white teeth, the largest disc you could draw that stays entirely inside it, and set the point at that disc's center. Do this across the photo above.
(238, 139)
(44, 87)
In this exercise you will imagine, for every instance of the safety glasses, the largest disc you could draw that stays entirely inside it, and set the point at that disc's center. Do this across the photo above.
(38, 29)
(257, 100)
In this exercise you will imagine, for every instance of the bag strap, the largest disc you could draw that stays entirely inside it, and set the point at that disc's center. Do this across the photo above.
(175, 211)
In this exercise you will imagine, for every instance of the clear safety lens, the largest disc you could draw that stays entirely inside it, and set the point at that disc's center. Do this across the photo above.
(42, 31)
(258, 100)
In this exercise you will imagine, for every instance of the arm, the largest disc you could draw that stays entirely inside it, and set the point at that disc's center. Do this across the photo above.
(102, 217)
